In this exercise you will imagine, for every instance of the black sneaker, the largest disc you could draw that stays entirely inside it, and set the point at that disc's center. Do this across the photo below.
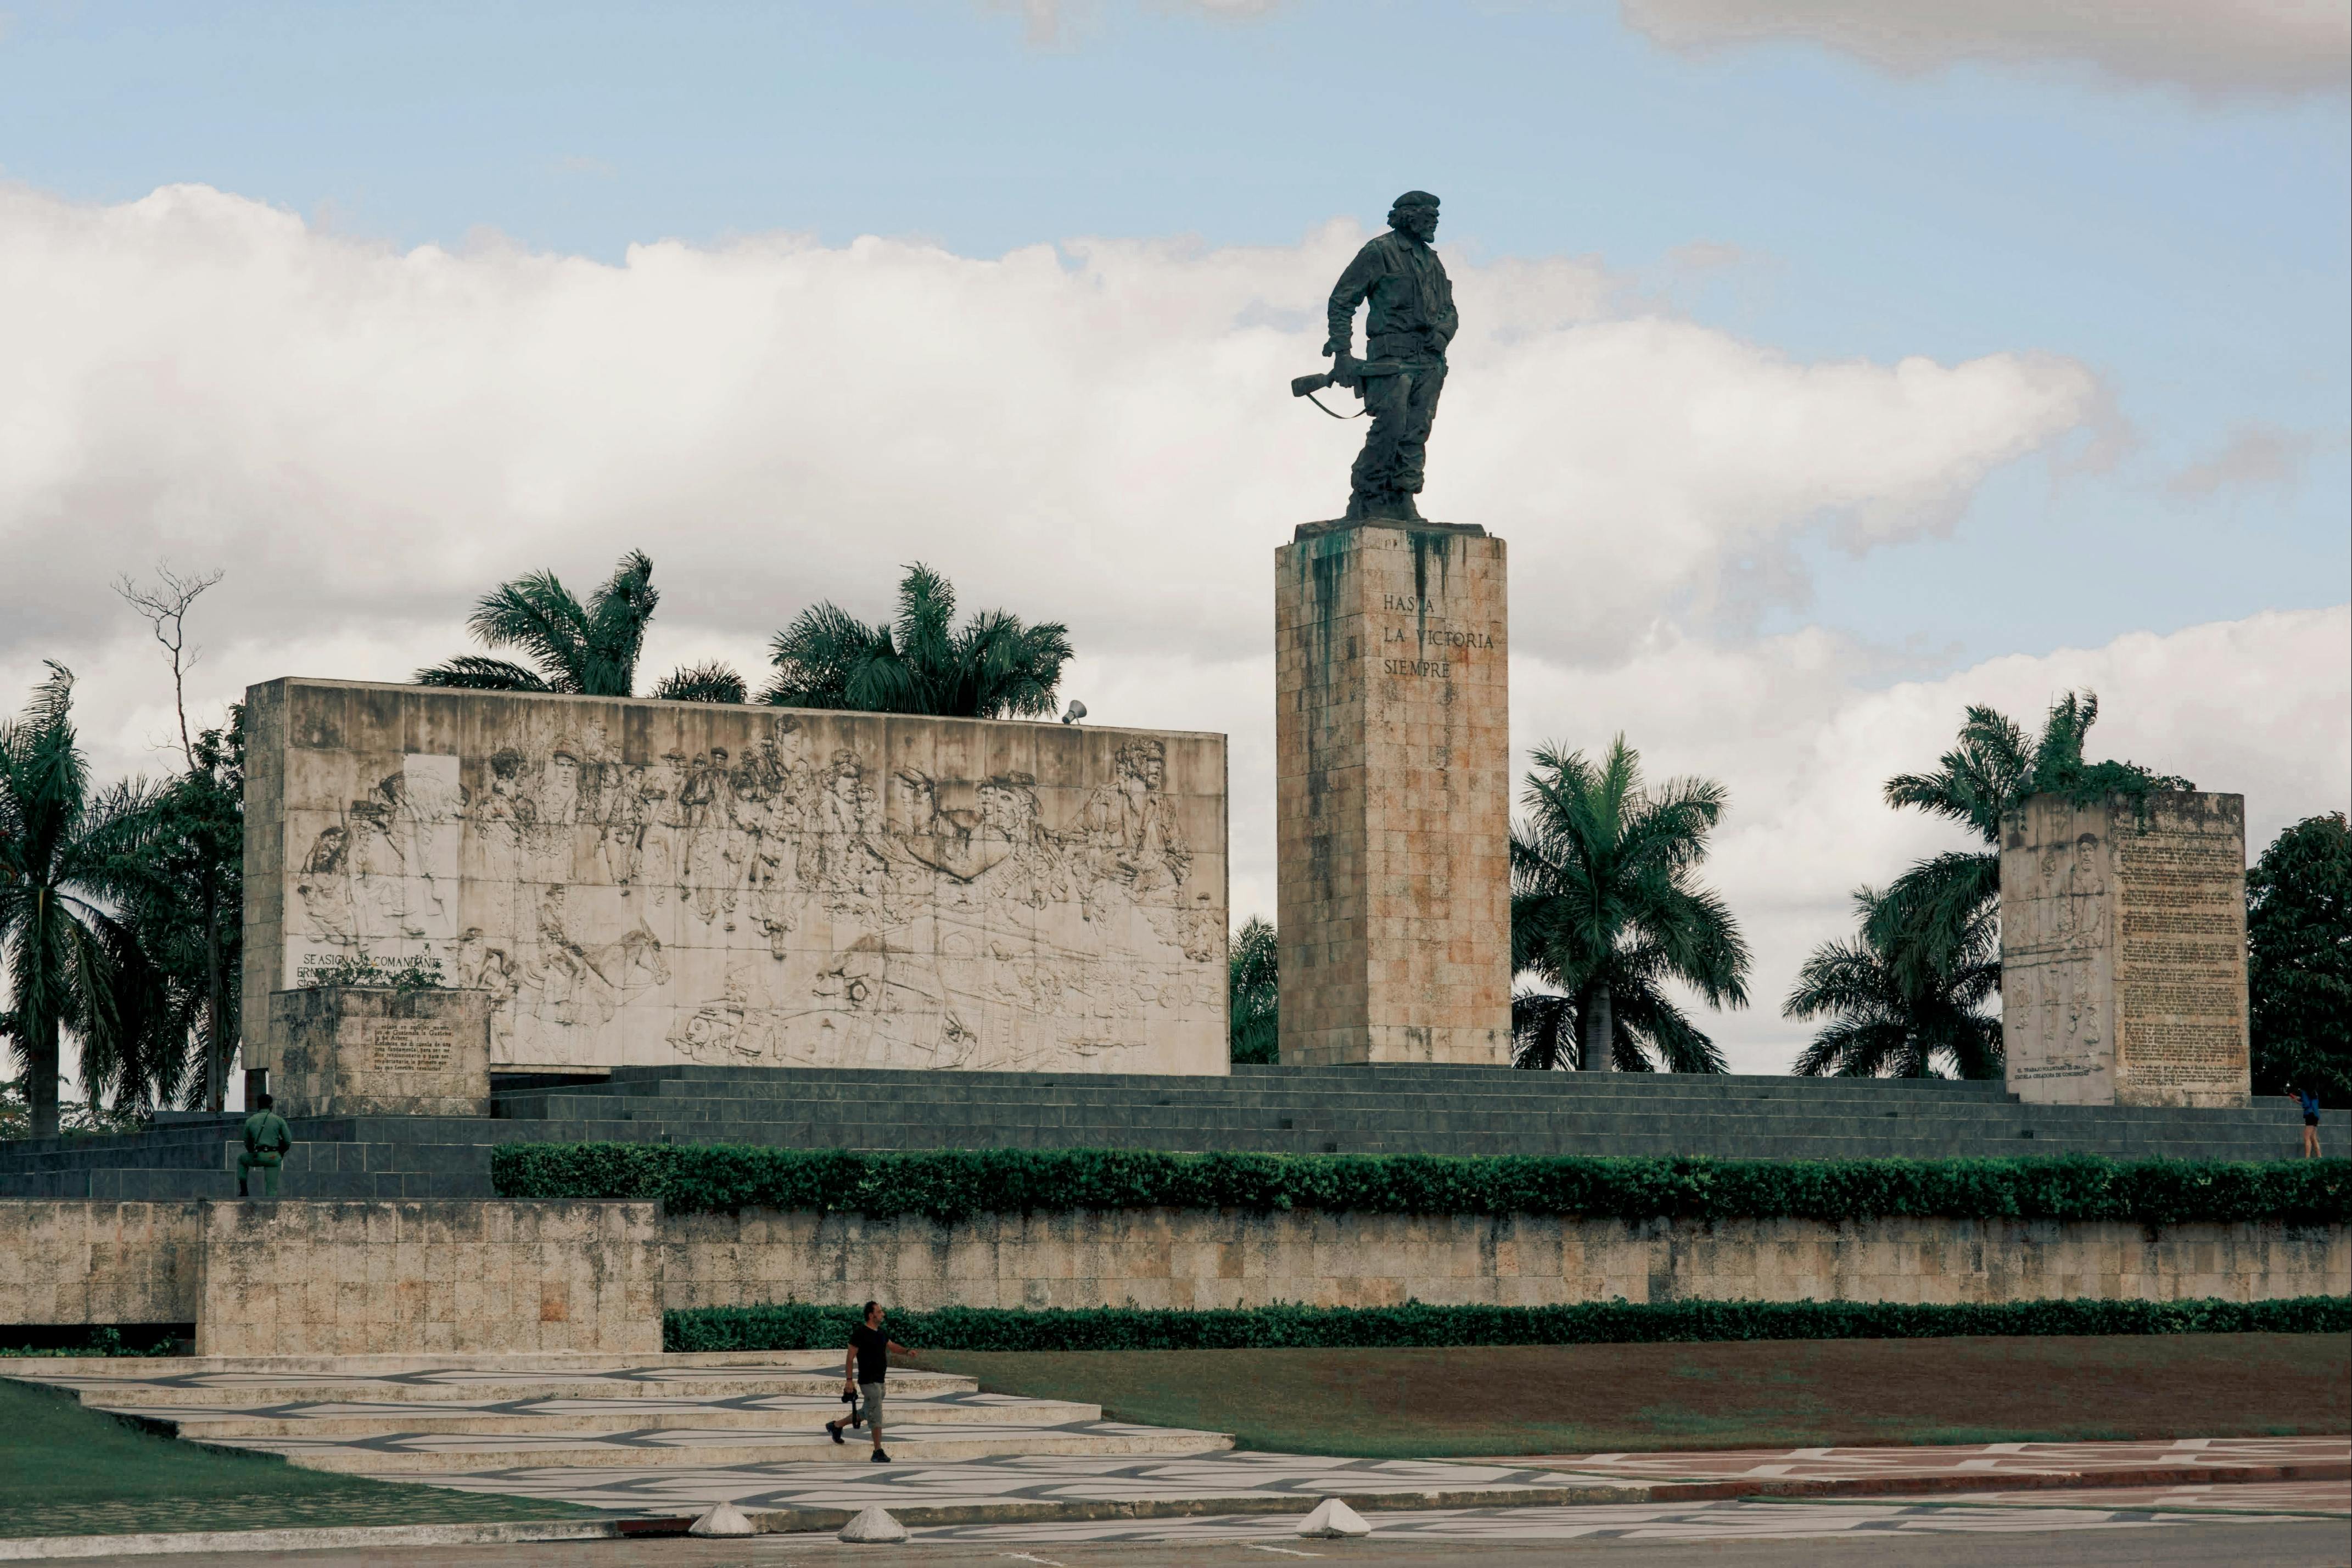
(833, 1431)
(880, 1458)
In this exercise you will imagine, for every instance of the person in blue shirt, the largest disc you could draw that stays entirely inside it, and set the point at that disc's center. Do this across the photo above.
(2310, 1103)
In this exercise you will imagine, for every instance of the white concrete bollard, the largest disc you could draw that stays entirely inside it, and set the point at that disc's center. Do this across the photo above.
(723, 1518)
(875, 1526)
(1333, 1519)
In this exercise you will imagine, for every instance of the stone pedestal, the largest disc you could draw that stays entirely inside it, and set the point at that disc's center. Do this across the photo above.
(340, 1050)
(2122, 947)
(1392, 757)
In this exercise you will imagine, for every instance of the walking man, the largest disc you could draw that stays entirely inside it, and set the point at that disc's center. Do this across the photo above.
(267, 1139)
(864, 1369)
(1410, 321)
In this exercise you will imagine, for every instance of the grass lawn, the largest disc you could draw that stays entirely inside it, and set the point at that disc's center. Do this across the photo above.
(65, 1470)
(1553, 1399)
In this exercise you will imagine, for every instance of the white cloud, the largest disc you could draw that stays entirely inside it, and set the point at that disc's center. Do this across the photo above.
(2206, 46)
(1101, 433)
(2255, 458)
(1104, 432)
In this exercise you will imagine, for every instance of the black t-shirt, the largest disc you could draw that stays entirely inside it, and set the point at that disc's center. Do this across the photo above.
(873, 1352)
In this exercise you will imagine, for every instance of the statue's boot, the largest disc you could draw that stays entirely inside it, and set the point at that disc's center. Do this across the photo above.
(1391, 506)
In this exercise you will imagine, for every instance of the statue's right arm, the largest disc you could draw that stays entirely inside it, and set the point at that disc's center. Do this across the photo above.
(1354, 284)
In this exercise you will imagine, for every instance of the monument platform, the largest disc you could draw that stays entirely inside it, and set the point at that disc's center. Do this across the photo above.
(1395, 1109)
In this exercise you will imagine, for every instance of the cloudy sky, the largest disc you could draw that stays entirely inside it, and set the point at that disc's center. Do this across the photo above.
(1825, 375)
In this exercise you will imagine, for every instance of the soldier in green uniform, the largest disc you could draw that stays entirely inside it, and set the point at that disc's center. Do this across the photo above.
(267, 1139)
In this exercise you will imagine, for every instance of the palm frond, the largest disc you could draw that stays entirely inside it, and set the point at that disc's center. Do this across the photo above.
(714, 681)
(1544, 1031)
(471, 673)
(613, 631)
(538, 615)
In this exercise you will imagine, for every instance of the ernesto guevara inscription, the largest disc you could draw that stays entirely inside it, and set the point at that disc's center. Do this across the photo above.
(779, 907)
(401, 1045)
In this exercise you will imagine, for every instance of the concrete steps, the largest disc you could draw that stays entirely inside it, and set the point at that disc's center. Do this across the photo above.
(658, 1415)
(1290, 1111)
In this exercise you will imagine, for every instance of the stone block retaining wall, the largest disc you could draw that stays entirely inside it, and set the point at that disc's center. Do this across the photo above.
(77, 1261)
(343, 1278)
(1167, 1257)
(370, 1278)
(324, 1277)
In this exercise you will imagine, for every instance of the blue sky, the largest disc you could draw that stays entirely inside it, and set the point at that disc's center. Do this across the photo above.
(2191, 251)
(2060, 324)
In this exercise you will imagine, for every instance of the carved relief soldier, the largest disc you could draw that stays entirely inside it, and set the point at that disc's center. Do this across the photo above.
(1410, 322)
(325, 889)
(1129, 828)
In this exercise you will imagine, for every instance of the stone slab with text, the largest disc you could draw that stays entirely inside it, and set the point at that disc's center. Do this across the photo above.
(339, 1050)
(2124, 950)
(1393, 753)
(647, 883)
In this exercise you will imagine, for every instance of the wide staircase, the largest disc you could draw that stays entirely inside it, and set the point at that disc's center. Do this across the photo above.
(1298, 1110)
(447, 1418)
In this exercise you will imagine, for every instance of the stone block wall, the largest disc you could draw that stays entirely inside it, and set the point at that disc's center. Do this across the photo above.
(1163, 1257)
(451, 1277)
(347, 1278)
(70, 1260)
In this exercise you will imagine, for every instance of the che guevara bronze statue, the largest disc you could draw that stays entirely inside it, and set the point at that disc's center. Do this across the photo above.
(1403, 369)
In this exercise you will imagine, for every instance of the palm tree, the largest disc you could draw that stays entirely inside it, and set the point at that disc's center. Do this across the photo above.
(587, 650)
(66, 953)
(994, 668)
(1892, 1018)
(181, 884)
(1924, 918)
(1606, 905)
(1254, 993)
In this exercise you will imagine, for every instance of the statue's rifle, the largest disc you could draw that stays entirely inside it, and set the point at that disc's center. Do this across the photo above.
(1344, 372)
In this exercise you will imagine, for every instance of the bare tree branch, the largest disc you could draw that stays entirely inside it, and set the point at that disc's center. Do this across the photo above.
(165, 607)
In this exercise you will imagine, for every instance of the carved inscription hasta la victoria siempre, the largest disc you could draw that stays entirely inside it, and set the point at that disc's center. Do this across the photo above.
(780, 906)
(1422, 637)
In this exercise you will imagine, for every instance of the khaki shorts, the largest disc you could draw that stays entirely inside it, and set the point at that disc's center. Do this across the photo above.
(869, 1403)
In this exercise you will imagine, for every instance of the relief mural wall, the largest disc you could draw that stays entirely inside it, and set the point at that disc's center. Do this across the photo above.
(647, 882)
(2057, 958)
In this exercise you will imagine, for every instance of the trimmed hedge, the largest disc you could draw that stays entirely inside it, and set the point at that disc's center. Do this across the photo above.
(796, 1326)
(952, 1185)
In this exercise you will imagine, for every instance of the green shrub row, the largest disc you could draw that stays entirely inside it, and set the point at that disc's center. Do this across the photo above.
(795, 1326)
(952, 1184)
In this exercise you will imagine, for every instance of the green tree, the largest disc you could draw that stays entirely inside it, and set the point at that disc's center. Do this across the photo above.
(1925, 916)
(584, 649)
(994, 666)
(2299, 959)
(61, 846)
(1606, 906)
(1253, 994)
(1886, 1019)
(180, 880)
